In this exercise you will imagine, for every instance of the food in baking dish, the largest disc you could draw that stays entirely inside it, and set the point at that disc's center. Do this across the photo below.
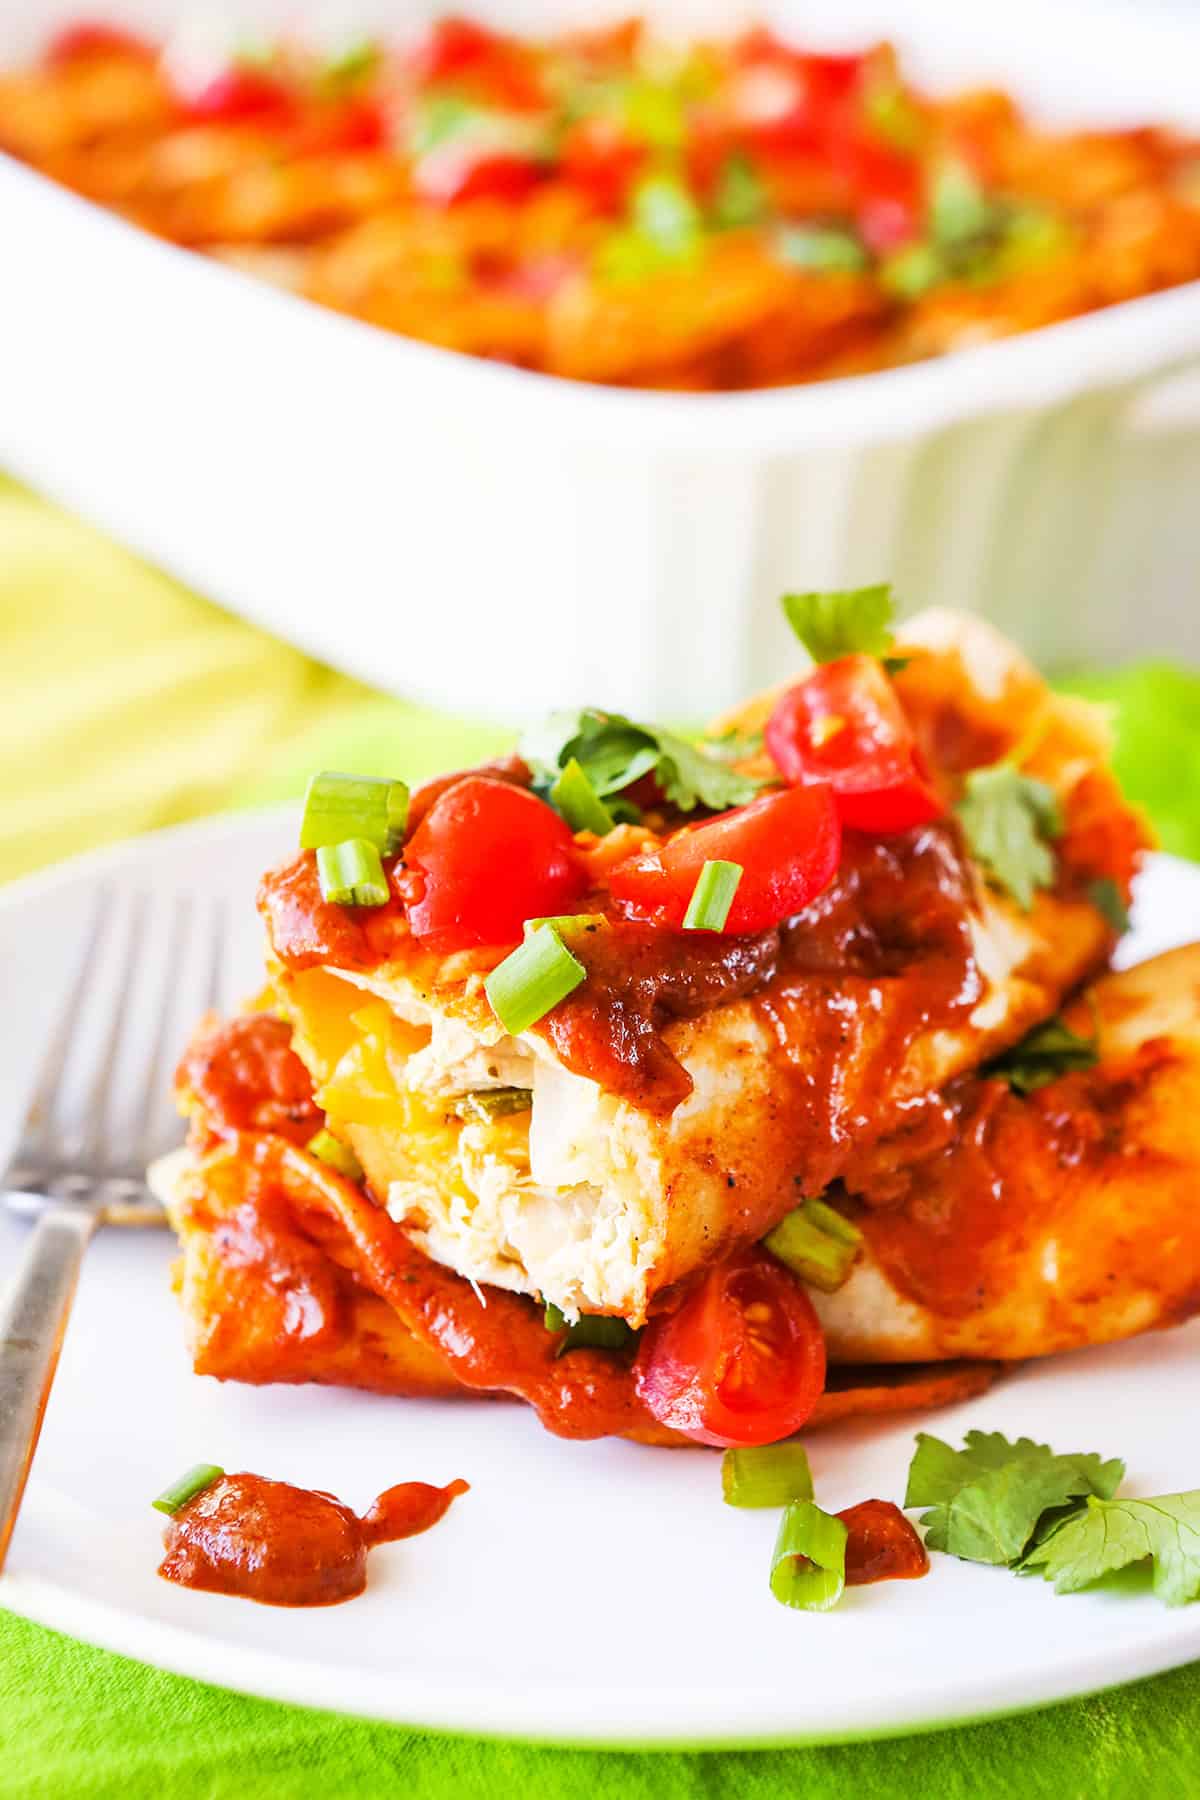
(605, 207)
(642, 1079)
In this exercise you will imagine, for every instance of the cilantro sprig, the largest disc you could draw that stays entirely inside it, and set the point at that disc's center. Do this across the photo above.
(612, 752)
(842, 621)
(1010, 821)
(1109, 1534)
(1045, 1053)
(1025, 1507)
(987, 1502)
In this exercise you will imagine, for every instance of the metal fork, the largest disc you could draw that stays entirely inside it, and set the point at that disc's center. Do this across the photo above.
(73, 1168)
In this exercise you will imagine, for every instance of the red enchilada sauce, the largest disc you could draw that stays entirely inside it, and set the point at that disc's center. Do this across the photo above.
(881, 1545)
(288, 1546)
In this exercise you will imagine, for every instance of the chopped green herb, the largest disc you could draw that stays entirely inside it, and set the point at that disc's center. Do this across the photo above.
(493, 1103)
(808, 1565)
(436, 118)
(893, 116)
(1105, 896)
(335, 1154)
(532, 980)
(740, 197)
(665, 211)
(911, 272)
(774, 1475)
(191, 1483)
(1048, 1051)
(735, 745)
(712, 896)
(351, 874)
(988, 1501)
(842, 621)
(578, 802)
(1107, 1534)
(591, 1331)
(818, 1243)
(959, 209)
(613, 753)
(827, 248)
(1009, 820)
(337, 807)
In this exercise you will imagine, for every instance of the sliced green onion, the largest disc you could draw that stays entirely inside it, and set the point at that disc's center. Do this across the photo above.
(351, 874)
(822, 247)
(774, 1475)
(532, 980)
(665, 210)
(740, 197)
(578, 802)
(337, 807)
(568, 925)
(712, 896)
(494, 1103)
(808, 1564)
(193, 1482)
(591, 1331)
(817, 1243)
(335, 1155)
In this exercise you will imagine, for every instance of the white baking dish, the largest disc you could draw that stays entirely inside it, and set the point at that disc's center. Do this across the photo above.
(502, 541)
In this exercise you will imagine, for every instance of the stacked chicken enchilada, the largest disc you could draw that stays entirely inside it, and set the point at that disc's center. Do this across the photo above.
(704, 1090)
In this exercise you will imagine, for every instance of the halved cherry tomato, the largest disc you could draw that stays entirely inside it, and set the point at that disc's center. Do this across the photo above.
(91, 37)
(241, 94)
(889, 189)
(486, 857)
(458, 49)
(787, 845)
(742, 1361)
(844, 725)
(455, 44)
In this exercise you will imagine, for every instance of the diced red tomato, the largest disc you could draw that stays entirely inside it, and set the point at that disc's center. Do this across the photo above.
(240, 95)
(91, 37)
(888, 186)
(787, 845)
(843, 725)
(595, 155)
(447, 178)
(351, 125)
(486, 857)
(458, 49)
(742, 1361)
(455, 44)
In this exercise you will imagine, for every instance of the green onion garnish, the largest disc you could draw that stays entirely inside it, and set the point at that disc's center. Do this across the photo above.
(825, 247)
(592, 1331)
(911, 272)
(578, 802)
(351, 874)
(712, 896)
(774, 1475)
(335, 1155)
(808, 1564)
(337, 807)
(532, 980)
(493, 1103)
(959, 209)
(194, 1482)
(817, 1243)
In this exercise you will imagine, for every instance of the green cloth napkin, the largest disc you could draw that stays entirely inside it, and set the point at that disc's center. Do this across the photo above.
(130, 703)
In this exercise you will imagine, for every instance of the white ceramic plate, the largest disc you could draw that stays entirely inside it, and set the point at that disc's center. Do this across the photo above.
(586, 1592)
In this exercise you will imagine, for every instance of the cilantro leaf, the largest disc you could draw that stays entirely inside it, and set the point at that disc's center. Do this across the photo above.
(1048, 1051)
(1105, 896)
(613, 752)
(988, 1499)
(1009, 820)
(842, 621)
(1109, 1534)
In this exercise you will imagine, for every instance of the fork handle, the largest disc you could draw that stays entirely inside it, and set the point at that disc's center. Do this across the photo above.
(32, 1326)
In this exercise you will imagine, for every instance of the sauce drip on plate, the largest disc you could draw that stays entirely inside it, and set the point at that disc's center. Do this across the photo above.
(290, 1546)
